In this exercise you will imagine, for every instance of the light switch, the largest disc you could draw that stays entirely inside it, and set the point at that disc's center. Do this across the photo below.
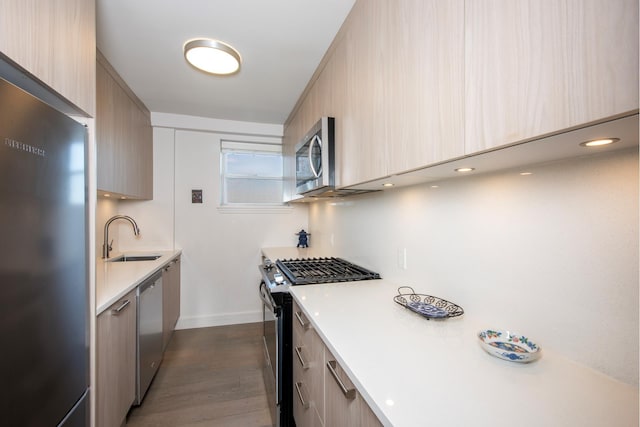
(402, 258)
(196, 196)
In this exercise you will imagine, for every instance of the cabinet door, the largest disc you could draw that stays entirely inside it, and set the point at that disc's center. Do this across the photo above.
(535, 67)
(419, 78)
(56, 42)
(344, 406)
(116, 361)
(124, 139)
(170, 300)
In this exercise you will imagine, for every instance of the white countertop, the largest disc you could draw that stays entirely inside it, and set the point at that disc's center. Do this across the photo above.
(292, 253)
(116, 279)
(416, 372)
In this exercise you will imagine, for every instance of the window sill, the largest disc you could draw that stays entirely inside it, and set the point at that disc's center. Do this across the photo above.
(255, 209)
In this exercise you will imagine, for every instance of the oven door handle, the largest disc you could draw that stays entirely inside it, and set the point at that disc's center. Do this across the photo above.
(268, 300)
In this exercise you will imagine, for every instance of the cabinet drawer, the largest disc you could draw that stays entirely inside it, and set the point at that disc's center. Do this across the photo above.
(344, 404)
(301, 323)
(305, 408)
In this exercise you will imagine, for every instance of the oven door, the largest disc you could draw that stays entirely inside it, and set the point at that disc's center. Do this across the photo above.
(272, 331)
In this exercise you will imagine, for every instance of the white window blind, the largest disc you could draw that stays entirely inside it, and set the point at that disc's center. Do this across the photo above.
(251, 173)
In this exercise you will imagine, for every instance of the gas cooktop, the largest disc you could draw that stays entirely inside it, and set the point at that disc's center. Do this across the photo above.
(322, 270)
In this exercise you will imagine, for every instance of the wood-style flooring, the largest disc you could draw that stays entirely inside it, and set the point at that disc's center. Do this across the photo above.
(209, 377)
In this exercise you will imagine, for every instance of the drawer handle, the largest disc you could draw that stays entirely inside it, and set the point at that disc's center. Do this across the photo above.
(349, 393)
(299, 354)
(124, 304)
(305, 405)
(305, 325)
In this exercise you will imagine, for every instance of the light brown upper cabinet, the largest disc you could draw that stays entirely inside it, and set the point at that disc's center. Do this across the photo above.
(56, 42)
(413, 83)
(394, 81)
(124, 137)
(403, 98)
(535, 67)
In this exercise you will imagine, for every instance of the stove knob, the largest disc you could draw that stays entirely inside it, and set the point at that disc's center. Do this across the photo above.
(268, 265)
(278, 277)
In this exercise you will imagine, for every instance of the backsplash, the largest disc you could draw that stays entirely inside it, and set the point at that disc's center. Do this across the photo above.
(105, 209)
(553, 254)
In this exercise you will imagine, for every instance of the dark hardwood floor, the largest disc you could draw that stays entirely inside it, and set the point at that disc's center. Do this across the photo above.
(209, 377)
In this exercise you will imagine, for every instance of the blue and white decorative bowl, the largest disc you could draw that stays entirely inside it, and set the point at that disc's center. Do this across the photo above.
(509, 346)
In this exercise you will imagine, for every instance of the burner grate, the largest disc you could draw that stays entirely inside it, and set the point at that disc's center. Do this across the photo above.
(323, 270)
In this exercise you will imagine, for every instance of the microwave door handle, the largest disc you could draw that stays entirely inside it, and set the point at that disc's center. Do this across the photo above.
(316, 173)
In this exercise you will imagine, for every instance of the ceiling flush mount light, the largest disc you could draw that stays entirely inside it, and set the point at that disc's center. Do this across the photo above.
(599, 142)
(465, 169)
(212, 56)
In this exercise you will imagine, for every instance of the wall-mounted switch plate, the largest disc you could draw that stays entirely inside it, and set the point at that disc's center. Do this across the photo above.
(196, 196)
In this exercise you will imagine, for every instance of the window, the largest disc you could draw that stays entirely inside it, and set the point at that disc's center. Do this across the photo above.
(251, 173)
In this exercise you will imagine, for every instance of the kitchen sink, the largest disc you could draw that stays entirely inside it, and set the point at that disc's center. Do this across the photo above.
(130, 258)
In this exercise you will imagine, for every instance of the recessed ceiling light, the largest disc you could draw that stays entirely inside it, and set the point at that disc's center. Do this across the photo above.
(465, 169)
(212, 56)
(387, 184)
(107, 195)
(599, 142)
(526, 173)
(435, 186)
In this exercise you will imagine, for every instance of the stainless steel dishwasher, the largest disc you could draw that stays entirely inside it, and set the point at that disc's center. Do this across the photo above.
(149, 353)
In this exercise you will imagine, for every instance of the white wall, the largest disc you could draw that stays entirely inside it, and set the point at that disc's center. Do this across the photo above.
(221, 248)
(553, 255)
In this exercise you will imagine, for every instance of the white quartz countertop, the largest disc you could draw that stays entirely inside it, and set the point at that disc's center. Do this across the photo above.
(416, 372)
(116, 279)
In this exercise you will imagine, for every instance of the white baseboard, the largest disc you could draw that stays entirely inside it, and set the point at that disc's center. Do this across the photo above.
(219, 320)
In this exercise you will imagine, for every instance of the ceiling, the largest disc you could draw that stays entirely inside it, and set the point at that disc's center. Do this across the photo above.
(281, 43)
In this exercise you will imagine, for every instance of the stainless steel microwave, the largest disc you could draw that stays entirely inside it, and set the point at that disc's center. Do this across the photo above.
(315, 159)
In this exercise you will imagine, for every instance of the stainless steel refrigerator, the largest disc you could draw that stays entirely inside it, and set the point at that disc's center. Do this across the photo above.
(44, 357)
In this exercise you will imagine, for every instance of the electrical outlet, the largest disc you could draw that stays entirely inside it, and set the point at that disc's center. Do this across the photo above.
(402, 258)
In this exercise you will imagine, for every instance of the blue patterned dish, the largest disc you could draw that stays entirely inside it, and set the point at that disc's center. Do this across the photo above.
(509, 346)
(426, 309)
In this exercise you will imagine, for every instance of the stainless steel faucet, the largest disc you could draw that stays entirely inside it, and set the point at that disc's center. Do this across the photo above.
(106, 247)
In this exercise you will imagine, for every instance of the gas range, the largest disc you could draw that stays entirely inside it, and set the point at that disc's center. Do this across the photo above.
(280, 275)
(277, 315)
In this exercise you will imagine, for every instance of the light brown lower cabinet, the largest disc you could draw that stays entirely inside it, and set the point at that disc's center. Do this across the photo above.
(170, 300)
(323, 395)
(116, 361)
